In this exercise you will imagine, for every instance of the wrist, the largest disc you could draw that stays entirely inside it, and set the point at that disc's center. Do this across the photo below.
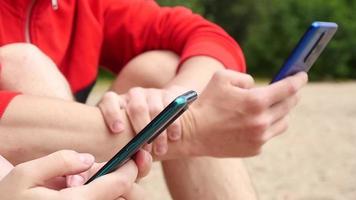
(190, 133)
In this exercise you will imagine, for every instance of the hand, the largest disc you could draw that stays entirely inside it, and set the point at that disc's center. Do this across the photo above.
(142, 105)
(234, 118)
(27, 180)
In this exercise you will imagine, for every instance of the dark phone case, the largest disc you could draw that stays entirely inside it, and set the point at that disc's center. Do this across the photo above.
(308, 49)
(149, 133)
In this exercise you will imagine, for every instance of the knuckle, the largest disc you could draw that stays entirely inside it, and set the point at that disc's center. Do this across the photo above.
(284, 126)
(109, 112)
(250, 79)
(292, 87)
(260, 125)
(136, 91)
(256, 103)
(123, 182)
(109, 95)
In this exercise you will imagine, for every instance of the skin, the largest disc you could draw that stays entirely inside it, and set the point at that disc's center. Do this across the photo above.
(186, 178)
(259, 108)
(263, 116)
(196, 140)
(43, 178)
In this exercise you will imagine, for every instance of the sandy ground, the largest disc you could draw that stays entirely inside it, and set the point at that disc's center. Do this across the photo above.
(314, 160)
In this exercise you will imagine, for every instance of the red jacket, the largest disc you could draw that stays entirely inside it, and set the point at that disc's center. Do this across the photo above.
(81, 35)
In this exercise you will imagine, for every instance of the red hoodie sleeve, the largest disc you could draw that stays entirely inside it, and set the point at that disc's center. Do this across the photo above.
(135, 26)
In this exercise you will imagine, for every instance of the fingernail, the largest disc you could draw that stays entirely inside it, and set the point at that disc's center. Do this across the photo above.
(117, 127)
(76, 180)
(86, 159)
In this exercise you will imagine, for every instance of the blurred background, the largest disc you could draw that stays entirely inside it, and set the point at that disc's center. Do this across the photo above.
(268, 30)
(316, 158)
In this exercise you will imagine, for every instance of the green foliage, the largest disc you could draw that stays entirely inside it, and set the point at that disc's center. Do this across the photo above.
(268, 30)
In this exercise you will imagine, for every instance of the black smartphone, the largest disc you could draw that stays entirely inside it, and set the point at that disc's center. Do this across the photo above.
(308, 49)
(149, 133)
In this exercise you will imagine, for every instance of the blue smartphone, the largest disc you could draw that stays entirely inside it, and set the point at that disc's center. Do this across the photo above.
(149, 133)
(308, 49)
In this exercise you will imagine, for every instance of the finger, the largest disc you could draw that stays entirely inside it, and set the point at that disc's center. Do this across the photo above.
(277, 128)
(285, 88)
(147, 147)
(60, 163)
(174, 130)
(110, 107)
(155, 105)
(136, 193)
(160, 145)
(137, 109)
(80, 179)
(281, 109)
(143, 160)
(5, 167)
(118, 182)
(57, 183)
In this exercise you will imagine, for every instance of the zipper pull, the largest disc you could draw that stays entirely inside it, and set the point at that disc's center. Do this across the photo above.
(55, 4)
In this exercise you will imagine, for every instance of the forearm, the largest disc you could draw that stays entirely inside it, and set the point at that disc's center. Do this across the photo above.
(196, 72)
(33, 127)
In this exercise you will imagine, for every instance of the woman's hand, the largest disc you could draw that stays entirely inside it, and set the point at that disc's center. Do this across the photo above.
(142, 105)
(29, 180)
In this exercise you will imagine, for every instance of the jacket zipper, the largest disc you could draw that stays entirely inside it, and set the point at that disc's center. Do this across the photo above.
(55, 4)
(28, 21)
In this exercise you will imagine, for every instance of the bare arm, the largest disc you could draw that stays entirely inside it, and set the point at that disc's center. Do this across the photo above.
(34, 126)
(196, 72)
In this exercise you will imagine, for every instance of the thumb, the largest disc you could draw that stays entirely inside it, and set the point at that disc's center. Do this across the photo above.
(61, 163)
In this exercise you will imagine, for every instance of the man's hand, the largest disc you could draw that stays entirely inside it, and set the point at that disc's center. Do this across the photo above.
(234, 118)
(141, 106)
(29, 180)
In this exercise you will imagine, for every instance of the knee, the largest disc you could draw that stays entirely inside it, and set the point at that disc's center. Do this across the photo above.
(17, 50)
(22, 57)
(32, 68)
(153, 68)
